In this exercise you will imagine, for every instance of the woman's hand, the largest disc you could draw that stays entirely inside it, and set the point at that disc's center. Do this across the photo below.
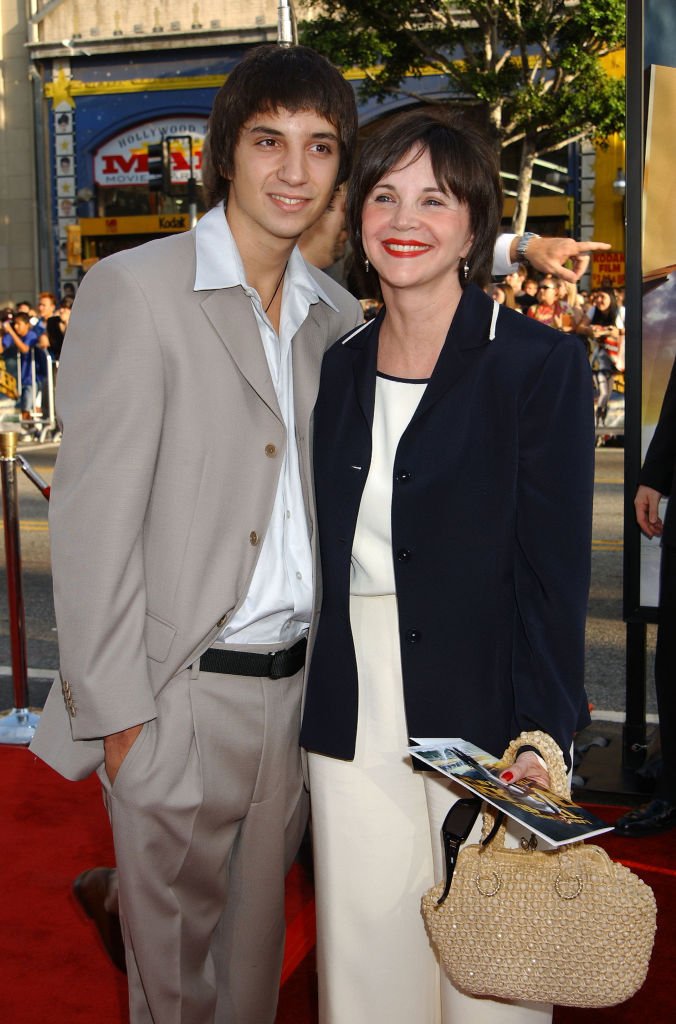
(527, 765)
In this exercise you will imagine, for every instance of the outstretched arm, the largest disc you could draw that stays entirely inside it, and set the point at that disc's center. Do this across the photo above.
(550, 254)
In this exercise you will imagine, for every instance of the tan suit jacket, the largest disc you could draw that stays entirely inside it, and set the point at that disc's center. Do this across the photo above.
(165, 481)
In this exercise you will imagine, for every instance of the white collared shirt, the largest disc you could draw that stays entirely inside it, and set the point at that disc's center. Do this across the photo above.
(278, 605)
(501, 262)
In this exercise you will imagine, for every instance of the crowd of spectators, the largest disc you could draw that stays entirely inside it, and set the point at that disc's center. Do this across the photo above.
(596, 316)
(31, 335)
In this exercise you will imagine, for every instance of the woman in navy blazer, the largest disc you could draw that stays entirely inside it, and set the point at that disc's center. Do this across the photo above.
(454, 477)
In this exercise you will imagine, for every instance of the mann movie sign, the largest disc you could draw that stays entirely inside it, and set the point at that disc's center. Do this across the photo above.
(123, 160)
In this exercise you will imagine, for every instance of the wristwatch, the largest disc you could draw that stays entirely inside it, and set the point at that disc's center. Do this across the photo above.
(522, 246)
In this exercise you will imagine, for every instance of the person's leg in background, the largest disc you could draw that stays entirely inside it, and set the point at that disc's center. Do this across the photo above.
(659, 814)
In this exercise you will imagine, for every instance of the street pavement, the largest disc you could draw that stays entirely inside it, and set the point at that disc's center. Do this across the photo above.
(605, 667)
(605, 642)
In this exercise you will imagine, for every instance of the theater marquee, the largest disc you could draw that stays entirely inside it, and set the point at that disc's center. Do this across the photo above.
(123, 160)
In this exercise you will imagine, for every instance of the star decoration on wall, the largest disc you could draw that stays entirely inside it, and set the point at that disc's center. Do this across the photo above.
(61, 91)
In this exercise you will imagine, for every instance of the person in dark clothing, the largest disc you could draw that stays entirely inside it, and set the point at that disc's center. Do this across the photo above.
(20, 335)
(657, 480)
(57, 326)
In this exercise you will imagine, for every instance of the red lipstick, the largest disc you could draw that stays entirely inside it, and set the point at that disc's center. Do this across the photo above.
(405, 248)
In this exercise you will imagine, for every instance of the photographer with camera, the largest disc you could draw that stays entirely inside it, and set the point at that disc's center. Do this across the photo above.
(20, 335)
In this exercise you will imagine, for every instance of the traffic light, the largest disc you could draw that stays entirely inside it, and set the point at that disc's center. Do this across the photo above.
(157, 168)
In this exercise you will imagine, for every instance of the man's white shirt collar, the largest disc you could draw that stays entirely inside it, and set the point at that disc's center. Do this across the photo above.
(219, 264)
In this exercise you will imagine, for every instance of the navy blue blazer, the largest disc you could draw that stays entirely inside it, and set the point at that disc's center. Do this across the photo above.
(491, 533)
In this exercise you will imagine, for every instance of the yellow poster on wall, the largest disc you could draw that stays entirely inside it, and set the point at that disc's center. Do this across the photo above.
(659, 281)
(659, 180)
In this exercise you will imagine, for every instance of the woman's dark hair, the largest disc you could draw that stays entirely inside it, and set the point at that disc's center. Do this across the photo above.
(607, 317)
(270, 78)
(464, 161)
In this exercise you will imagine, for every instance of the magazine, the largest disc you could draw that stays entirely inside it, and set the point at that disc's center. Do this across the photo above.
(553, 818)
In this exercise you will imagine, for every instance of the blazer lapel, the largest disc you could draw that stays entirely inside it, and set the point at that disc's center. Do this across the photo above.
(308, 347)
(364, 345)
(468, 334)
(230, 313)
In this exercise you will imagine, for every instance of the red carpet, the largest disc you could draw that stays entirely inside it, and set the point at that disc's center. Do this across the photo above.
(654, 859)
(53, 970)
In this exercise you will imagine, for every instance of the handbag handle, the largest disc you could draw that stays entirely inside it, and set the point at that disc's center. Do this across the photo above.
(462, 815)
(549, 750)
(457, 825)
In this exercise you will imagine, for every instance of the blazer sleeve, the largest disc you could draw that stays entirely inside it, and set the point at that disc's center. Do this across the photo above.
(660, 461)
(553, 545)
(110, 399)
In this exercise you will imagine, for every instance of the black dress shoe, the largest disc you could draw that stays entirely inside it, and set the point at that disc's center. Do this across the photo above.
(649, 820)
(90, 890)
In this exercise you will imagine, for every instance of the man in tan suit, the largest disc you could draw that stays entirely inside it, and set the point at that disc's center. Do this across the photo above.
(182, 546)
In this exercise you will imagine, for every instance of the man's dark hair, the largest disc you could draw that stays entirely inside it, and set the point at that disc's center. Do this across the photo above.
(464, 162)
(22, 318)
(273, 78)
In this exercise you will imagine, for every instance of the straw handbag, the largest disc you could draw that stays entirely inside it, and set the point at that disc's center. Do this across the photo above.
(565, 926)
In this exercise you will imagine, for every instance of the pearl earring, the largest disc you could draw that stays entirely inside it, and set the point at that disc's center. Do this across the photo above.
(366, 265)
(465, 270)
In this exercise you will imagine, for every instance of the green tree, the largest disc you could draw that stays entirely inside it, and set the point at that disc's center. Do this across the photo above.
(534, 65)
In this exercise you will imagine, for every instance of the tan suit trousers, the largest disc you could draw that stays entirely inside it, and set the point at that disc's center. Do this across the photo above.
(208, 811)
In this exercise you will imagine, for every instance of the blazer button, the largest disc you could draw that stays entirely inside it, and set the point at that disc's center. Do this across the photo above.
(413, 636)
(222, 621)
(404, 555)
(270, 450)
(403, 477)
(253, 538)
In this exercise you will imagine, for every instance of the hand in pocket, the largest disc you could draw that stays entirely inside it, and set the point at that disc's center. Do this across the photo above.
(116, 747)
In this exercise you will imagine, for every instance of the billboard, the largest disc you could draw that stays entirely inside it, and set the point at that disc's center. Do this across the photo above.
(123, 159)
(659, 282)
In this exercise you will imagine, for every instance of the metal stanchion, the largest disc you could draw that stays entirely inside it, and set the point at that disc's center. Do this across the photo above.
(18, 726)
(34, 476)
(48, 425)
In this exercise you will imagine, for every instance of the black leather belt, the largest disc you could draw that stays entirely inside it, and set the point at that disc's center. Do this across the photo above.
(274, 665)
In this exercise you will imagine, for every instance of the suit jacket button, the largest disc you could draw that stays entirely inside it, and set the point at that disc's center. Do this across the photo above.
(270, 450)
(403, 476)
(253, 538)
(222, 621)
(413, 636)
(404, 555)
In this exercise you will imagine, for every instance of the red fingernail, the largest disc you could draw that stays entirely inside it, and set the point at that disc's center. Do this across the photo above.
(507, 776)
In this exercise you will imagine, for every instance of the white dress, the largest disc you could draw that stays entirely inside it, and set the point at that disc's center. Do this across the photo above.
(376, 823)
